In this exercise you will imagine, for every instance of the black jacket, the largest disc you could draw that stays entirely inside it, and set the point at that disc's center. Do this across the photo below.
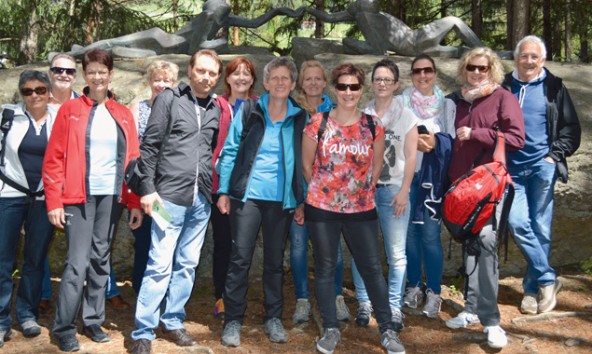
(563, 125)
(187, 151)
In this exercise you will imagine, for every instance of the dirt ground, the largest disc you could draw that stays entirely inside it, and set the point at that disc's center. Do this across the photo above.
(569, 334)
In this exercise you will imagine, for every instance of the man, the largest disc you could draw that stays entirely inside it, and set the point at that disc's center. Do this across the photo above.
(176, 163)
(552, 134)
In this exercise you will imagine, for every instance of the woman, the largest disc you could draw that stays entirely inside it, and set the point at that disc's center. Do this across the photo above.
(24, 141)
(312, 82)
(240, 77)
(392, 189)
(260, 185)
(93, 139)
(342, 153)
(424, 246)
(160, 74)
(483, 109)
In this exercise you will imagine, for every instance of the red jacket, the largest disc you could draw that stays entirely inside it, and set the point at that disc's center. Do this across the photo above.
(65, 167)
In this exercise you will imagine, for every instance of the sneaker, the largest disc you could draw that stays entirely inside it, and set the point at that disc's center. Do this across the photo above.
(302, 311)
(4, 335)
(30, 329)
(391, 342)
(180, 337)
(397, 318)
(141, 346)
(342, 310)
(432, 304)
(529, 304)
(69, 343)
(413, 297)
(95, 333)
(275, 330)
(231, 334)
(364, 313)
(327, 343)
(549, 296)
(496, 337)
(219, 309)
(463, 320)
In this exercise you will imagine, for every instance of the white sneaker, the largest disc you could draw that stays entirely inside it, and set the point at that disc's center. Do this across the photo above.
(496, 337)
(413, 297)
(549, 296)
(463, 320)
(529, 304)
(342, 310)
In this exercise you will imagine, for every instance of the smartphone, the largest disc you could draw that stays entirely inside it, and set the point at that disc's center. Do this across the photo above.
(421, 129)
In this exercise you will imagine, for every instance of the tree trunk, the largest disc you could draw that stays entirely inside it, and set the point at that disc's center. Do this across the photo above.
(567, 32)
(520, 20)
(235, 31)
(509, 24)
(477, 17)
(28, 43)
(319, 28)
(175, 9)
(548, 28)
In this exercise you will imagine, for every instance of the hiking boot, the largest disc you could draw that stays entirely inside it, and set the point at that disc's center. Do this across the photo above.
(141, 346)
(327, 343)
(463, 320)
(529, 304)
(4, 335)
(69, 343)
(231, 334)
(391, 342)
(275, 330)
(219, 309)
(364, 313)
(30, 329)
(342, 310)
(180, 337)
(432, 304)
(95, 333)
(549, 296)
(413, 297)
(302, 311)
(397, 318)
(496, 337)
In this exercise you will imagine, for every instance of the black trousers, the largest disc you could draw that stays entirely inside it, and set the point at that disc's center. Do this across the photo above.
(222, 248)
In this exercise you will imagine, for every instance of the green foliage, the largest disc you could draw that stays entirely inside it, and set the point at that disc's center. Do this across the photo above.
(586, 266)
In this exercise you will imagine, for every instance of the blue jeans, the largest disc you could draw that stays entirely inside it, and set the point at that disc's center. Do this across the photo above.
(14, 212)
(394, 233)
(299, 262)
(530, 220)
(424, 245)
(174, 255)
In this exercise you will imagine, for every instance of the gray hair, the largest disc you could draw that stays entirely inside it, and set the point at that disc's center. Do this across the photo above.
(532, 39)
(62, 56)
(30, 75)
(276, 63)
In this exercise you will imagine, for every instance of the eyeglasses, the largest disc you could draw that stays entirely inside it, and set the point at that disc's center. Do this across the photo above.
(59, 71)
(482, 68)
(385, 80)
(40, 90)
(352, 87)
(427, 70)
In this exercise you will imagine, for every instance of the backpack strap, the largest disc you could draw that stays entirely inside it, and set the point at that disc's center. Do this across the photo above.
(503, 222)
(499, 154)
(322, 127)
(371, 125)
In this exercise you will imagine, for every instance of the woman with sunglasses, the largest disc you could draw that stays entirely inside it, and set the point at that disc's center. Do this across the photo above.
(92, 142)
(424, 246)
(26, 128)
(482, 109)
(312, 82)
(342, 154)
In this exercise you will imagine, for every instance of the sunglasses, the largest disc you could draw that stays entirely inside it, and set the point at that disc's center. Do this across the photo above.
(426, 70)
(352, 87)
(59, 71)
(41, 90)
(482, 68)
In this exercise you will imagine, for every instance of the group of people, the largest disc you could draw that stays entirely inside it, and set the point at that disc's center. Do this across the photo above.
(303, 168)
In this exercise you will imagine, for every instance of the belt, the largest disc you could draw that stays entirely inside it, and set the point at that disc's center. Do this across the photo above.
(381, 185)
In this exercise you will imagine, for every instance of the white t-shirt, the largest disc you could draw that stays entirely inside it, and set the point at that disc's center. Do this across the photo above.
(103, 153)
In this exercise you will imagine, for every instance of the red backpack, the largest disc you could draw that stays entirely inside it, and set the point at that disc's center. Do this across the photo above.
(471, 199)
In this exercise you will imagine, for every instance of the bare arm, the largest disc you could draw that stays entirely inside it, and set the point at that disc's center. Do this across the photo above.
(309, 150)
(377, 159)
(401, 199)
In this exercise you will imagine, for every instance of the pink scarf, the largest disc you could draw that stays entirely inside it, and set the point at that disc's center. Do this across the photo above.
(482, 89)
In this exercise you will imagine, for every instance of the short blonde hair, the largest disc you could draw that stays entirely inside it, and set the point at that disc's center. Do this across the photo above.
(496, 69)
(162, 66)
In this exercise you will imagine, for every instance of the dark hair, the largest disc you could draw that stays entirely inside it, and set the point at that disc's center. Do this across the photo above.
(100, 56)
(426, 57)
(30, 75)
(347, 69)
(209, 53)
(233, 65)
(389, 64)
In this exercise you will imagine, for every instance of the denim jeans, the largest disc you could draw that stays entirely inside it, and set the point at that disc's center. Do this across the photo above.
(530, 220)
(14, 212)
(299, 262)
(394, 233)
(174, 255)
(424, 247)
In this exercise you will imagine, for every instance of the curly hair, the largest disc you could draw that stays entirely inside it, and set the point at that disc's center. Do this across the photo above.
(162, 66)
(496, 72)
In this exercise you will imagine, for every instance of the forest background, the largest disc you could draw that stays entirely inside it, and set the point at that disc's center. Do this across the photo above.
(30, 29)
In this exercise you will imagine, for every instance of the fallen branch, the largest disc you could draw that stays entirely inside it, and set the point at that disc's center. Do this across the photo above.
(549, 316)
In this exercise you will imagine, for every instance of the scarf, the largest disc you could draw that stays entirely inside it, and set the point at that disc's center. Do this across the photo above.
(425, 106)
(482, 89)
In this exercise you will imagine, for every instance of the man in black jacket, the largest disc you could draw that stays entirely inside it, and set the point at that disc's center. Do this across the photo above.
(176, 160)
(552, 134)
